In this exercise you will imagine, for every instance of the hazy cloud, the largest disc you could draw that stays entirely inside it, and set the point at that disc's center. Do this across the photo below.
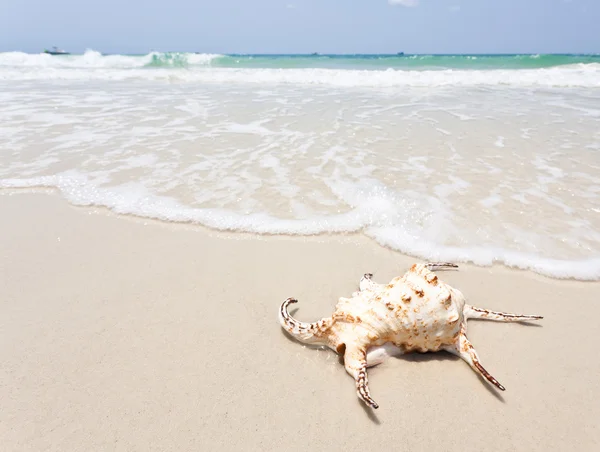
(409, 3)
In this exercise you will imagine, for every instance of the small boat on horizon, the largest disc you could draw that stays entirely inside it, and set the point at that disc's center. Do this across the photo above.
(56, 51)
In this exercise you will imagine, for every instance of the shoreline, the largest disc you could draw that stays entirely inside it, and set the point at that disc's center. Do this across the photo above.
(124, 335)
(324, 236)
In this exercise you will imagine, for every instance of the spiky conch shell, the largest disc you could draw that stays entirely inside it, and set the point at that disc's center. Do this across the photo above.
(415, 312)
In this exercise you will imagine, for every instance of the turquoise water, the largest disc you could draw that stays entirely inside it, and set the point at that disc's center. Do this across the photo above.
(409, 62)
(366, 71)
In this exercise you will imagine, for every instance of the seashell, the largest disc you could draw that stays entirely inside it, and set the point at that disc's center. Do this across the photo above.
(415, 312)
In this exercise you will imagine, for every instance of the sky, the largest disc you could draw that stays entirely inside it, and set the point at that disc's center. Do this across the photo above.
(302, 26)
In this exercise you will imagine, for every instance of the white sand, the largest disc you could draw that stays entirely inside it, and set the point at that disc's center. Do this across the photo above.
(121, 334)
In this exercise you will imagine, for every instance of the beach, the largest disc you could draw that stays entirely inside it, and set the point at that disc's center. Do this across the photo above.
(156, 210)
(124, 333)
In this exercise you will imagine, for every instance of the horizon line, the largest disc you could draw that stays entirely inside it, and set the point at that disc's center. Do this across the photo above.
(328, 53)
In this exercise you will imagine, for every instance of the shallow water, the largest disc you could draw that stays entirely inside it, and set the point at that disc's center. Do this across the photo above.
(471, 165)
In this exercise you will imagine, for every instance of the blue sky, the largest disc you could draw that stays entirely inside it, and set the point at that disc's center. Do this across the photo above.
(302, 26)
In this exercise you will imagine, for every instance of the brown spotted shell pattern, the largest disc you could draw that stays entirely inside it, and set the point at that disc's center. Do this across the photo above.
(415, 312)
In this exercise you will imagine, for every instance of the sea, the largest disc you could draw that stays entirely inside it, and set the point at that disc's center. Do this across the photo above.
(486, 159)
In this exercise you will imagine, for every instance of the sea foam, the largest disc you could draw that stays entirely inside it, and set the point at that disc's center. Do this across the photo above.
(92, 59)
(482, 166)
(387, 220)
(200, 68)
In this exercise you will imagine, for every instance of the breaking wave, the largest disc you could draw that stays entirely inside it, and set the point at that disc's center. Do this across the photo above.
(206, 68)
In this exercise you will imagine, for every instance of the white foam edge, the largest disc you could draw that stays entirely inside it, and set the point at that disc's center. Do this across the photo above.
(566, 76)
(130, 199)
(93, 59)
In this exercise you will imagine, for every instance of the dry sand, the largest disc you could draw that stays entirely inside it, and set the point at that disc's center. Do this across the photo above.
(124, 334)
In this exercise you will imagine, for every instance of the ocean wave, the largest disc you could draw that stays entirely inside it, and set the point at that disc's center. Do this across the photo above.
(92, 59)
(579, 75)
(176, 60)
